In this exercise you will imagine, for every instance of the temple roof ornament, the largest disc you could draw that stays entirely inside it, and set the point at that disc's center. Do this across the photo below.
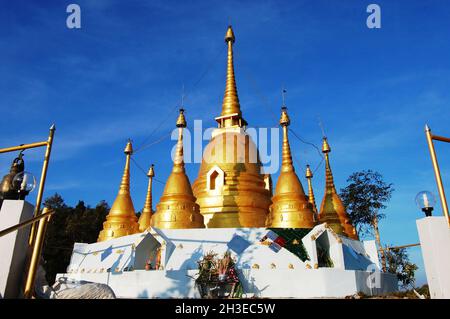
(332, 210)
(177, 207)
(121, 220)
(290, 208)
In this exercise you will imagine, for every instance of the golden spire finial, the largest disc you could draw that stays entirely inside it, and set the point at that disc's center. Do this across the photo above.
(231, 110)
(290, 208)
(286, 157)
(121, 220)
(147, 211)
(311, 197)
(177, 207)
(179, 156)
(325, 146)
(125, 182)
(332, 210)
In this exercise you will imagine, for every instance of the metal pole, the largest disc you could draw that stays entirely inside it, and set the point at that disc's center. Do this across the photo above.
(23, 147)
(42, 182)
(25, 223)
(400, 247)
(34, 263)
(437, 174)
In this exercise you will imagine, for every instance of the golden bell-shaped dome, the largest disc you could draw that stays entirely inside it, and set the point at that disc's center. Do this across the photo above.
(290, 208)
(147, 211)
(230, 188)
(121, 220)
(332, 210)
(177, 207)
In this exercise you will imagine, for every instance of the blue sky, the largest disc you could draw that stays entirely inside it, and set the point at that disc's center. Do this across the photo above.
(121, 75)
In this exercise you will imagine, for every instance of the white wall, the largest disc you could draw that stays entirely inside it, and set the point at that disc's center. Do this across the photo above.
(434, 234)
(13, 247)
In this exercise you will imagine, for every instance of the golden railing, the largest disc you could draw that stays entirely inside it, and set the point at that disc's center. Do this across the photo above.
(36, 238)
(437, 172)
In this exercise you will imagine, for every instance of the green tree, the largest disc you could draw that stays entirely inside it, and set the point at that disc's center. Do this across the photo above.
(69, 225)
(365, 197)
(398, 263)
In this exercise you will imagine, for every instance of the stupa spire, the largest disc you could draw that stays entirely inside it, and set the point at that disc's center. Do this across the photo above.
(286, 156)
(311, 197)
(121, 220)
(332, 210)
(177, 207)
(231, 110)
(147, 211)
(290, 208)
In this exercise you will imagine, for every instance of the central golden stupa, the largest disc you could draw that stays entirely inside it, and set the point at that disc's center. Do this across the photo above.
(231, 189)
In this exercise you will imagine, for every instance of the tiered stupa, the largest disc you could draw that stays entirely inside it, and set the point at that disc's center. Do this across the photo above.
(290, 208)
(332, 210)
(231, 189)
(147, 211)
(177, 207)
(121, 220)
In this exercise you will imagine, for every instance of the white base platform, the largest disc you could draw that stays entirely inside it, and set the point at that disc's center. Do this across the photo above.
(264, 270)
(273, 283)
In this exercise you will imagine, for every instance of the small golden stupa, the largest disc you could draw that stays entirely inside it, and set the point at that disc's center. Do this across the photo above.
(311, 197)
(290, 208)
(121, 220)
(177, 207)
(147, 211)
(231, 190)
(332, 210)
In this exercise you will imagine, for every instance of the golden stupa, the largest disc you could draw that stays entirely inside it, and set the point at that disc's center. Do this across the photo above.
(332, 210)
(311, 197)
(177, 207)
(121, 220)
(290, 208)
(147, 211)
(231, 189)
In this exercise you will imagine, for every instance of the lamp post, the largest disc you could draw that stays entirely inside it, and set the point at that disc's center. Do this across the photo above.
(425, 200)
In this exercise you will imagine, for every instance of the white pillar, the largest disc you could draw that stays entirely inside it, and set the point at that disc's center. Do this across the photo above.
(13, 247)
(434, 235)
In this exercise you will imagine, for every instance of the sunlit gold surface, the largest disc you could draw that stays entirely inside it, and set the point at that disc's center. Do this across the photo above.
(290, 208)
(121, 220)
(240, 198)
(177, 207)
(311, 197)
(332, 211)
(437, 172)
(147, 211)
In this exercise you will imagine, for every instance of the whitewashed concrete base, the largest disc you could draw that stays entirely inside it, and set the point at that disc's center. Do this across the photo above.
(265, 271)
(434, 235)
(13, 247)
(263, 283)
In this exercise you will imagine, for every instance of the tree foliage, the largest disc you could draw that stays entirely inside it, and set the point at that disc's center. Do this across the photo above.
(398, 263)
(364, 198)
(68, 225)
